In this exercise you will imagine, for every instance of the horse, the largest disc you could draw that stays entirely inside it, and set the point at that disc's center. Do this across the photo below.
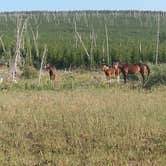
(126, 69)
(109, 71)
(52, 71)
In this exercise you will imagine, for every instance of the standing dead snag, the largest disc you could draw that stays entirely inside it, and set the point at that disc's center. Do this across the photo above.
(106, 33)
(158, 39)
(42, 61)
(83, 45)
(35, 39)
(79, 37)
(21, 27)
(3, 46)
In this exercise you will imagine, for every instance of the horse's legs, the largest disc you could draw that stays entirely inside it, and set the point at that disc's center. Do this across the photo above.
(118, 78)
(125, 77)
(143, 78)
(109, 80)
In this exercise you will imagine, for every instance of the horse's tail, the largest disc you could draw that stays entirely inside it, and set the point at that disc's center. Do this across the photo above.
(147, 67)
(148, 70)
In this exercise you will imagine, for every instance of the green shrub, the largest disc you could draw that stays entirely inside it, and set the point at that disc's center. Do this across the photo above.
(29, 72)
(157, 76)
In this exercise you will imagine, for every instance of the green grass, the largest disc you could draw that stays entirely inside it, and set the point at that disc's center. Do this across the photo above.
(80, 120)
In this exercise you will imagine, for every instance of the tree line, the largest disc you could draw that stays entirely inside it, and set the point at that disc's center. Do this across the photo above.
(84, 38)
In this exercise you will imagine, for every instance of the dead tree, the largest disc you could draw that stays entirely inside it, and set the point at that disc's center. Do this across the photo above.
(42, 62)
(158, 39)
(21, 27)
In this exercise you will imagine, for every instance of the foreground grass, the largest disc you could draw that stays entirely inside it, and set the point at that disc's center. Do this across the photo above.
(98, 126)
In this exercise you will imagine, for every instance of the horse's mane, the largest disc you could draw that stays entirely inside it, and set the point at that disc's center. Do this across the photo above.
(51, 65)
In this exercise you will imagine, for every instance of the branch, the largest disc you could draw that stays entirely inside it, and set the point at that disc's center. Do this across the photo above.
(83, 45)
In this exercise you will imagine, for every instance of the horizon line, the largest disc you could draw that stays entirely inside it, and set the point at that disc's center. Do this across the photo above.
(83, 10)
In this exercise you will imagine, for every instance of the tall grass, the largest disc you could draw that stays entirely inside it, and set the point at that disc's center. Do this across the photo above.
(80, 120)
(111, 126)
(83, 79)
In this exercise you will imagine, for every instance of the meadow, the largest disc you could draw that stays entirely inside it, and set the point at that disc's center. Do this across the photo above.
(80, 120)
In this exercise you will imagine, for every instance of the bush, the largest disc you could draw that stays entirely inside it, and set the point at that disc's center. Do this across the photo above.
(157, 76)
(29, 72)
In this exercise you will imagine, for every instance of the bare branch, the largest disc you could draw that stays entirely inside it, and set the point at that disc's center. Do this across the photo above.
(83, 45)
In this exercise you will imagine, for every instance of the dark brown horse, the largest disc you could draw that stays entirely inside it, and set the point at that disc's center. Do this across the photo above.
(126, 69)
(52, 71)
(111, 71)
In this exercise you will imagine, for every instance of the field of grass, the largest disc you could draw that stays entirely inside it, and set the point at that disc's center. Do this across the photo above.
(80, 120)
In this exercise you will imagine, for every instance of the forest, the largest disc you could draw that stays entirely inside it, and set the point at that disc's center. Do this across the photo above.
(84, 38)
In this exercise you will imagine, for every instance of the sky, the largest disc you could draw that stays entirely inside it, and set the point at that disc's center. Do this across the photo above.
(66, 5)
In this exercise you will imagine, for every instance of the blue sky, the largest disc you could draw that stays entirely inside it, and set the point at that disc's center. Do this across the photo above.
(56, 5)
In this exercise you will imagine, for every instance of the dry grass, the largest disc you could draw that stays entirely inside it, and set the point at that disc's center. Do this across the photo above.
(98, 126)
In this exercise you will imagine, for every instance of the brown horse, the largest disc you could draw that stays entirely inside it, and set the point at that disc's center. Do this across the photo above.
(109, 71)
(126, 69)
(52, 71)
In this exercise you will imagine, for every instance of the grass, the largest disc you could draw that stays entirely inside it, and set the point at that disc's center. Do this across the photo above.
(82, 121)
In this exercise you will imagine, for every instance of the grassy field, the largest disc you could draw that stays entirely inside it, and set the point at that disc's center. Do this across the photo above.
(79, 120)
(82, 121)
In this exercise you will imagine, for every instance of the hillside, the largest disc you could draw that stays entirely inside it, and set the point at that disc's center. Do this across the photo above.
(131, 36)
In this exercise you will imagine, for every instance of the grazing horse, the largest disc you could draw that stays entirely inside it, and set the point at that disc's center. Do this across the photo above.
(126, 69)
(109, 71)
(52, 71)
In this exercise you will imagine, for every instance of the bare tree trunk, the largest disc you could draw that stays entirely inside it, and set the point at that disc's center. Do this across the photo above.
(158, 38)
(35, 39)
(21, 27)
(140, 47)
(42, 62)
(103, 48)
(76, 39)
(91, 51)
(83, 45)
(17, 52)
(106, 33)
(3, 46)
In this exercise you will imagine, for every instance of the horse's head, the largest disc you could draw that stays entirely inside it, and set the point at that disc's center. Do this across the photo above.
(104, 68)
(116, 65)
(52, 70)
(47, 66)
